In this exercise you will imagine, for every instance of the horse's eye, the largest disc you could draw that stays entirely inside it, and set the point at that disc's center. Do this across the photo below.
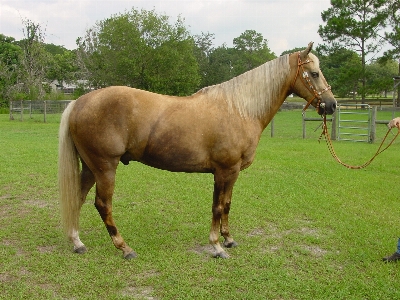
(314, 74)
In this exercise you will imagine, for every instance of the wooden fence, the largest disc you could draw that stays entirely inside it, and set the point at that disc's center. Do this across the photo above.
(22, 108)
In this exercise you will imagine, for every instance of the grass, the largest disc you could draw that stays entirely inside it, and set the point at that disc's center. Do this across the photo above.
(307, 227)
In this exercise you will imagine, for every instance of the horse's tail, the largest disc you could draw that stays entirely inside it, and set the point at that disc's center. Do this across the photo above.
(68, 176)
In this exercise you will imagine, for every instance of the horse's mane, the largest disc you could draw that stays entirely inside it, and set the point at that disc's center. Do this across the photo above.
(253, 92)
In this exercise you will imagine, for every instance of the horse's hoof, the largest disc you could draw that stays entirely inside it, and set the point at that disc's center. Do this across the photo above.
(80, 250)
(231, 244)
(130, 255)
(223, 255)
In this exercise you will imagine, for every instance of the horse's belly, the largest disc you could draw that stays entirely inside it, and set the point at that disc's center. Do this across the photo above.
(176, 160)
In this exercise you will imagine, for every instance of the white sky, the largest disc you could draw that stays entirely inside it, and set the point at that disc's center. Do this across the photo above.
(286, 24)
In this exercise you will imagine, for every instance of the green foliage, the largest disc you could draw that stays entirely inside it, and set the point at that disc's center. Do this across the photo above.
(380, 76)
(55, 49)
(307, 227)
(342, 69)
(34, 61)
(143, 50)
(393, 36)
(355, 24)
(63, 67)
(222, 63)
(253, 51)
(220, 66)
(10, 54)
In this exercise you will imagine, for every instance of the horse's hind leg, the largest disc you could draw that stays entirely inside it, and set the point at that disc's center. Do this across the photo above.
(87, 182)
(105, 182)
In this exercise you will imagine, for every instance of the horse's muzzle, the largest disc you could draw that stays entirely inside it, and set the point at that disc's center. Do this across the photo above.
(327, 108)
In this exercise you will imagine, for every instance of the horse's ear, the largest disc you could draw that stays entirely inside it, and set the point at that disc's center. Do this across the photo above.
(305, 52)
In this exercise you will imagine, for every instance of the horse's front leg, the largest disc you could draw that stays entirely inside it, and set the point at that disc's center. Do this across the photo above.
(224, 180)
(104, 191)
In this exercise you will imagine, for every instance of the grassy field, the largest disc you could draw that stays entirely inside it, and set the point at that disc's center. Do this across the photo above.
(307, 227)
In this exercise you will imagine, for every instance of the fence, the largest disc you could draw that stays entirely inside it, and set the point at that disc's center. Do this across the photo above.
(21, 108)
(354, 125)
(360, 128)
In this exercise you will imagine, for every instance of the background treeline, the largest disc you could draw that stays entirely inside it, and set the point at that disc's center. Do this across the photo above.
(145, 50)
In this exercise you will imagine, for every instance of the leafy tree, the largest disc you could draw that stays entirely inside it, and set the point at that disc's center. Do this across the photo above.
(393, 37)
(221, 61)
(202, 51)
(34, 61)
(342, 69)
(9, 62)
(140, 49)
(355, 24)
(55, 49)
(63, 67)
(297, 49)
(252, 50)
(380, 77)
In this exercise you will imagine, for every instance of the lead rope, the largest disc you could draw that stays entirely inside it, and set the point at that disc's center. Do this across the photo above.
(333, 153)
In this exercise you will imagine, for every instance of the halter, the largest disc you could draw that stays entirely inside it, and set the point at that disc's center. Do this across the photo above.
(305, 79)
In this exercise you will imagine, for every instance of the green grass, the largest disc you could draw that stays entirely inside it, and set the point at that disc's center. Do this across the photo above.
(307, 227)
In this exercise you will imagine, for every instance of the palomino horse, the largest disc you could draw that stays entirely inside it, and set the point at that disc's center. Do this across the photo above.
(215, 130)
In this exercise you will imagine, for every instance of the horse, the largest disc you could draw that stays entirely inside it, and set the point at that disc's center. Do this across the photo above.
(215, 130)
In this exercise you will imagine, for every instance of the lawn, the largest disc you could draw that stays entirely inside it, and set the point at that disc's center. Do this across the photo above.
(307, 227)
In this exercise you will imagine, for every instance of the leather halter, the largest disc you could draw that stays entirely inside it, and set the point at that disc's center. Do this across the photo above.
(305, 79)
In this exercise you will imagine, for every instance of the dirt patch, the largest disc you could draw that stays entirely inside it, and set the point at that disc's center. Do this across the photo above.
(256, 232)
(203, 249)
(4, 277)
(46, 249)
(315, 250)
(37, 203)
(138, 292)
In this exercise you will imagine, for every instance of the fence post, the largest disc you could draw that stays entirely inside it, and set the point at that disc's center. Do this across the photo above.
(333, 130)
(373, 125)
(11, 116)
(22, 110)
(45, 109)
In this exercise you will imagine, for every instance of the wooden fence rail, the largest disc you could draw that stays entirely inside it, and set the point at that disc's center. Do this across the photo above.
(45, 107)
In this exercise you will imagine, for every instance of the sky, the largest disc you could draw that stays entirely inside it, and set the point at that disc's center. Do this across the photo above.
(286, 24)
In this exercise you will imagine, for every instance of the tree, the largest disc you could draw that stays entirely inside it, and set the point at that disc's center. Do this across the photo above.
(393, 36)
(34, 61)
(140, 49)
(202, 51)
(380, 77)
(62, 67)
(220, 69)
(223, 63)
(252, 50)
(342, 69)
(355, 24)
(9, 62)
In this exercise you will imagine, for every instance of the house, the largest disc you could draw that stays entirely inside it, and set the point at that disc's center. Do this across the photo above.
(69, 88)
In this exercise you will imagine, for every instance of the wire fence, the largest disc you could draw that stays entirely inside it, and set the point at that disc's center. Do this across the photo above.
(22, 109)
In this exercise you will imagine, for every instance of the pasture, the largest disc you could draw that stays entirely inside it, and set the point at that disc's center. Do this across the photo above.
(307, 227)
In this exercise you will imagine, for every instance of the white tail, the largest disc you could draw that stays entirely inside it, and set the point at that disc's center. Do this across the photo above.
(68, 176)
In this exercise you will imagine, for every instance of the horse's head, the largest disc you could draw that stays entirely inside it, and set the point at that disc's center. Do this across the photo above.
(309, 82)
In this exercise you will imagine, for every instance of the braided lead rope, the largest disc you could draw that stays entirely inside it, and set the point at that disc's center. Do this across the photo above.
(333, 153)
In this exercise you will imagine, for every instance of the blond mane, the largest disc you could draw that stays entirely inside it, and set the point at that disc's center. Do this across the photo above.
(253, 92)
